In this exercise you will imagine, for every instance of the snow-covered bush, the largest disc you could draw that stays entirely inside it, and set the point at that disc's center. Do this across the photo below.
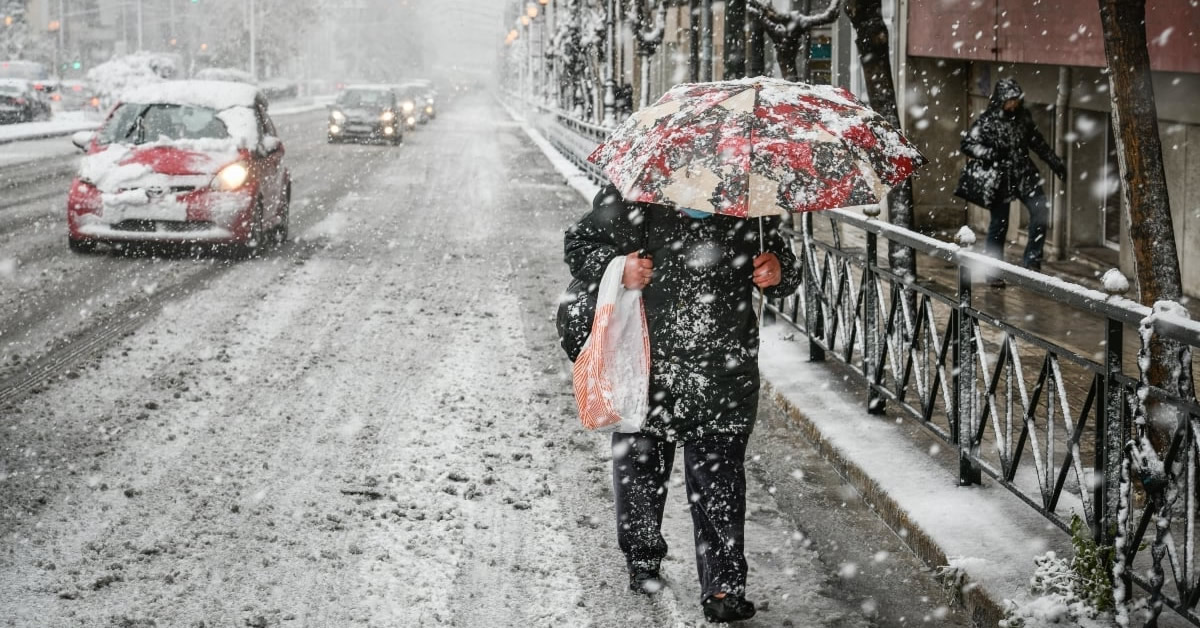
(1070, 592)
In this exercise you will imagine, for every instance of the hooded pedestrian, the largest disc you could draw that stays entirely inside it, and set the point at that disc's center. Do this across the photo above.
(999, 171)
(698, 272)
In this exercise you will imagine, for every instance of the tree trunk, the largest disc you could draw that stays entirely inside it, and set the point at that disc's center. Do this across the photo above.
(871, 39)
(735, 40)
(757, 64)
(786, 54)
(1144, 190)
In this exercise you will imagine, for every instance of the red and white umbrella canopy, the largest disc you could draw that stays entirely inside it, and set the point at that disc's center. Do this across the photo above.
(756, 147)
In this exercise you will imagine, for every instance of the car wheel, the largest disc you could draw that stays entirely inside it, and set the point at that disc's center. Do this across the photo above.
(280, 232)
(253, 245)
(81, 246)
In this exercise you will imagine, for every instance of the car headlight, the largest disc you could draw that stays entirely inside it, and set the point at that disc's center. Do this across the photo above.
(232, 177)
(429, 110)
(338, 117)
(407, 107)
(388, 116)
(411, 120)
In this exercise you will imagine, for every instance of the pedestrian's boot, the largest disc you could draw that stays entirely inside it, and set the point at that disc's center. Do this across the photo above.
(728, 608)
(645, 580)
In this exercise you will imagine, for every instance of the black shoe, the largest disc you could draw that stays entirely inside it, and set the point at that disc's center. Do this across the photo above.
(645, 582)
(728, 608)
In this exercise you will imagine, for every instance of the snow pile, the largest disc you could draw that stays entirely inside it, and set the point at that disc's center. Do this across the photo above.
(1062, 601)
(1114, 282)
(113, 78)
(105, 171)
(965, 236)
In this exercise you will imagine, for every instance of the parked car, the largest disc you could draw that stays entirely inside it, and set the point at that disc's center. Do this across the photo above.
(366, 112)
(20, 102)
(78, 96)
(182, 162)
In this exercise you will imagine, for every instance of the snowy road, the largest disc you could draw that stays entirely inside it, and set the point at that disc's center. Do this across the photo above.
(371, 426)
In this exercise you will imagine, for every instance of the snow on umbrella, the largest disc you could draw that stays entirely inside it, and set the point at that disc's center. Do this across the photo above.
(756, 147)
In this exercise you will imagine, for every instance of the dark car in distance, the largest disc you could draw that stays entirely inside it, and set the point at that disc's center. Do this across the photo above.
(366, 113)
(20, 102)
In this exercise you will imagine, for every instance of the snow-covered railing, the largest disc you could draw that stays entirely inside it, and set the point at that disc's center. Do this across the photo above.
(574, 138)
(1058, 432)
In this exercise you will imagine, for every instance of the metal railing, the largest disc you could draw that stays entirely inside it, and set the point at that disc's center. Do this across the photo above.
(1032, 404)
(1054, 430)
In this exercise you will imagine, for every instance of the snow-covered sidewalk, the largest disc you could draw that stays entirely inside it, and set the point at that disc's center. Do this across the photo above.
(984, 539)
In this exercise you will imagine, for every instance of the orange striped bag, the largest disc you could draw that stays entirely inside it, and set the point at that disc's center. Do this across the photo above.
(612, 373)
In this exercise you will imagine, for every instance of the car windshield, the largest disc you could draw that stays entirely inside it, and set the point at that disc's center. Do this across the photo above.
(365, 98)
(137, 124)
(10, 89)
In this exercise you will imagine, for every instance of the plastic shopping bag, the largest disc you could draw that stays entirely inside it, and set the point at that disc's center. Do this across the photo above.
(612, 373)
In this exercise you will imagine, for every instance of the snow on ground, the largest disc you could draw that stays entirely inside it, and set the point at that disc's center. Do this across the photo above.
(371, 428)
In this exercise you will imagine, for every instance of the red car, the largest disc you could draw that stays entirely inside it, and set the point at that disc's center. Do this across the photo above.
(182, 162)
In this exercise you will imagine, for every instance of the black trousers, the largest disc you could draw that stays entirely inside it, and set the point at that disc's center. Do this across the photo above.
(715, 475)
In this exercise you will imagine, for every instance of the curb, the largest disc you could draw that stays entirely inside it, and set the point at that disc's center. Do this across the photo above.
(983, 609)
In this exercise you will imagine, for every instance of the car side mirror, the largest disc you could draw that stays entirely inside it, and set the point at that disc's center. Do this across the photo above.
(83, 139)
(271, 145)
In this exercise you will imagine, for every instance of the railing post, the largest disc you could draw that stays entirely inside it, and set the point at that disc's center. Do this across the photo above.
(814, 314)
(871, 332)
(964, 380)
(1112, 430)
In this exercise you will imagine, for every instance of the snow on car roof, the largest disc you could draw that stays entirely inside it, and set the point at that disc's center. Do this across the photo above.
(210, 94)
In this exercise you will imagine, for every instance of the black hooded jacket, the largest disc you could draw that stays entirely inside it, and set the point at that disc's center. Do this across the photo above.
(702, 322)
(997, 147)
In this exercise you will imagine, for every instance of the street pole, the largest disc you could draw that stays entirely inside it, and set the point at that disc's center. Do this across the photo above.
(253, 43)
(62, 25)
(610, 98)
(706, 41)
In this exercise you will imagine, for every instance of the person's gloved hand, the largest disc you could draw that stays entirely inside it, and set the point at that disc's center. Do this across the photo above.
(1060, 170)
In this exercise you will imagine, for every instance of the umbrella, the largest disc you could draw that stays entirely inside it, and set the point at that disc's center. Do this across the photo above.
(756, 147)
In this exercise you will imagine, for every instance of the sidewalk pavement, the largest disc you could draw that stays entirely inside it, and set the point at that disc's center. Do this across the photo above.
(982, 538)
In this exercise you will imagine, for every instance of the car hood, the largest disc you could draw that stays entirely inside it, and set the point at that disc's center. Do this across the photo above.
(117, 167)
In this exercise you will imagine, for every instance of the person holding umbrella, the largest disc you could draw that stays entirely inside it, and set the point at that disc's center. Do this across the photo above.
(697, 273)
(698, 181)
(999, 171)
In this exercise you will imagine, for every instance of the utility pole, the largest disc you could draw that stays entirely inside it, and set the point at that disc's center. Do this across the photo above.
(706, 41)
(62, 40)
(253, 43)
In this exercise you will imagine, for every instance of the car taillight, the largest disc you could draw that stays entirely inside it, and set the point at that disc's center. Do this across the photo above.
(20, 101)
(96, 102)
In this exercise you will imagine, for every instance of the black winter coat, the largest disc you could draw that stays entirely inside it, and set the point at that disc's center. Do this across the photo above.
(997, 147)
(703, 328)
